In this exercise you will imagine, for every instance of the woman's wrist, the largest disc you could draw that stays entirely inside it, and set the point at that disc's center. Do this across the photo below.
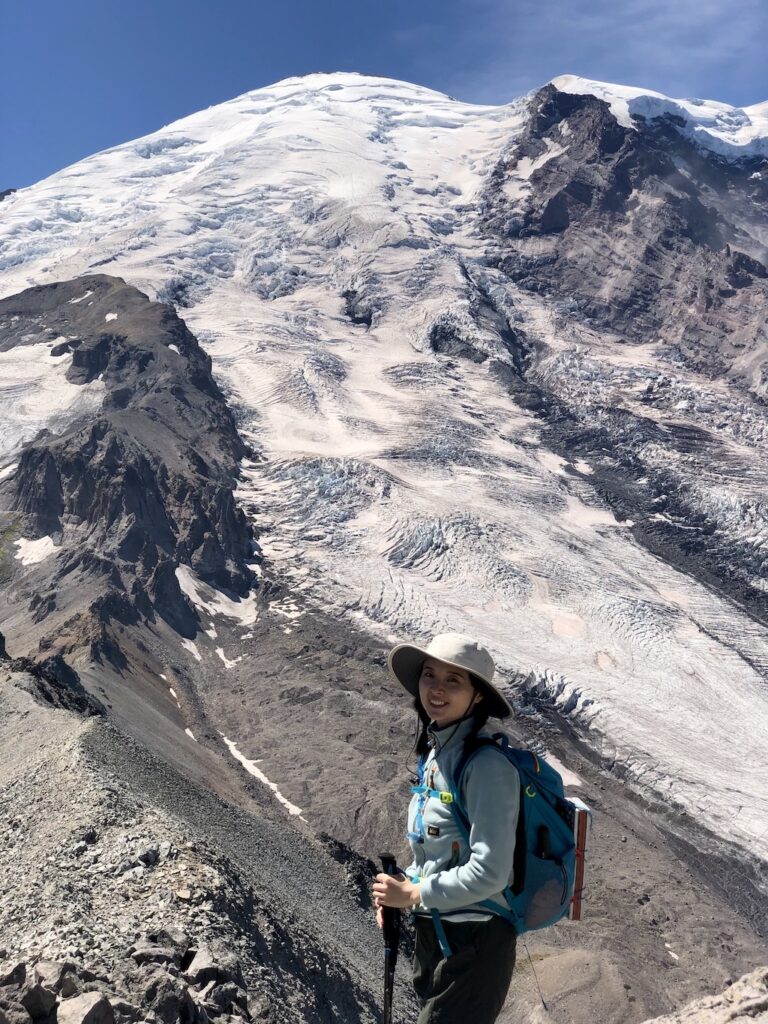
(415, 895)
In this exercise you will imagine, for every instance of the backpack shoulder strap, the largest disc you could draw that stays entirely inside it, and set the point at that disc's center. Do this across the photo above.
(498, 742)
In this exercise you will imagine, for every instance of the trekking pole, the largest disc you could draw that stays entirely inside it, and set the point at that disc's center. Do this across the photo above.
(391, 932)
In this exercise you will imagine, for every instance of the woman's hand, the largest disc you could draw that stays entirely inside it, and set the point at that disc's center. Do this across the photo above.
(391, 891)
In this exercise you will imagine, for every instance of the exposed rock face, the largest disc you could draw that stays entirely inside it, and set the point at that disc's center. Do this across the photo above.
(744, 1002)
(54, 682)
(632, 226)
(142, 486)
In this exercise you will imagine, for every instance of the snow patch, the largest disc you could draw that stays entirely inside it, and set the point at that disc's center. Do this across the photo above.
(189, 733)
(225, 659)
(250, 766)
(35, 394)
(73, 302)
(216, 602)
(287, 608)
(191, 646)
(8, 471)
(554, 463)
(110, 316)
(33, 551)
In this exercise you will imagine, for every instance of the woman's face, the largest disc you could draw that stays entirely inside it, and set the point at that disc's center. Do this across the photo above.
(446, 692)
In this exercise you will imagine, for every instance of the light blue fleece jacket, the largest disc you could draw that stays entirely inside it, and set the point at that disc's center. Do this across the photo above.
(453, 875)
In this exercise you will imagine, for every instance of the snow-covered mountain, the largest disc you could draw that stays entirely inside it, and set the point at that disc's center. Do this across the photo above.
(500, 369)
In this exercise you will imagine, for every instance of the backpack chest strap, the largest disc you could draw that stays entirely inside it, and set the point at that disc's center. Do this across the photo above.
(437, 794)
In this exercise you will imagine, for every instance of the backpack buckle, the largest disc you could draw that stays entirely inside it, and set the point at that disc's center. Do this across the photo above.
(446, 798)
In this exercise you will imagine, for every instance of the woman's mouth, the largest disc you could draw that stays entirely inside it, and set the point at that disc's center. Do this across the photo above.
(437, 703)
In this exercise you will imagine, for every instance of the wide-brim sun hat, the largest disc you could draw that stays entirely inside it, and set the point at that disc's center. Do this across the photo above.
(405, 662)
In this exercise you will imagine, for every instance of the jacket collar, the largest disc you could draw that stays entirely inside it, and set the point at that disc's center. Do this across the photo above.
(448, 736)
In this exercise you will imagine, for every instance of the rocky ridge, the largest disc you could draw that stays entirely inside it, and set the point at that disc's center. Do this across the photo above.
(111, 873)
(129, 493)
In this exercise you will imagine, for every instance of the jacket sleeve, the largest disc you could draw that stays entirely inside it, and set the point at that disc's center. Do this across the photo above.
(492, 802)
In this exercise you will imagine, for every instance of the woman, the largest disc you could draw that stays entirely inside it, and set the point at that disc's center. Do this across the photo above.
(464, 952)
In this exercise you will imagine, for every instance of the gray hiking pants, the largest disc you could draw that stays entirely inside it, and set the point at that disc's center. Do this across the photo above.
(472, 984)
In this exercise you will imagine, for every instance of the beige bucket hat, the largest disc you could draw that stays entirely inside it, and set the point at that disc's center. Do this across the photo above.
(405, 663)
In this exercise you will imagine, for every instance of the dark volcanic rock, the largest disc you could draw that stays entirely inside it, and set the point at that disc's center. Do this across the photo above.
(54, 682)
(12, 1012)
(218, 968)
(12, 973)
(634, 227)
(168, 998)
(147, 483)
(37, 1000)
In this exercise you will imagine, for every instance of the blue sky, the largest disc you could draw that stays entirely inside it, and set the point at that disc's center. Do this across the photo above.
(79, 76)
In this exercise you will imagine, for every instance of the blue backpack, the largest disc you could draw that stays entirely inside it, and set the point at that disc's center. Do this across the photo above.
(545, 847)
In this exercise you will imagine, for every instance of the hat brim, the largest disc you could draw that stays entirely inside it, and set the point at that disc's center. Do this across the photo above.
(405, 663)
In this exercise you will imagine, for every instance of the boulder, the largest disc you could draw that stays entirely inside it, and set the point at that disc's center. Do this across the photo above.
(228, 997)
(88, 1008)
(149, 854)
(12, 1012)
(70, 985)
(37, 1000)
(204, 992)
(166, 997)
(220, 967)
(125, 1012)
(12, 972)
(50, 973)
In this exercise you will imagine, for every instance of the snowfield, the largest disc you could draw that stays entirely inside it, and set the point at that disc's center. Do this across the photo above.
(35, 394)
(317, 236)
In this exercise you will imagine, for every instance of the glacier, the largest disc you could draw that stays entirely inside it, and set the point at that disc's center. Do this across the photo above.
(321, 237)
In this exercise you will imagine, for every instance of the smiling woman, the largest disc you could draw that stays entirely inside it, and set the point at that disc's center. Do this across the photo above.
(465, 953)
(446, 692)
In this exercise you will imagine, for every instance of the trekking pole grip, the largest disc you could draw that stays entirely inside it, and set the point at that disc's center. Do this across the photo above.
(388, 863)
